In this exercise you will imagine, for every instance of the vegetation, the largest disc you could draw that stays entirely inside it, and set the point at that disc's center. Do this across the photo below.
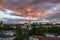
(23, 34)
(40, 30)
(5, 27)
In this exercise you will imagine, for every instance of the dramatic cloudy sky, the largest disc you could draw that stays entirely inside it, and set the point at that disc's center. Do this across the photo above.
(17, 10)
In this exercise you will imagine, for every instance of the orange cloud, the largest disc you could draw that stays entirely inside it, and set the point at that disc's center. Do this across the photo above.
(1, 6)
(30, 16)
(47, 12)
(58, 4)
(18, 13)
(44, 13)
(38, 14)
(29, 10)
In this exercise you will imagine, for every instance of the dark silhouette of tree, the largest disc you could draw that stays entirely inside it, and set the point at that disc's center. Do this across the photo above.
(40, 25)
(21, 34)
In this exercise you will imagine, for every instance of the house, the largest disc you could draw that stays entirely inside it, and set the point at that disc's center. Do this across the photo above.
(7, 35)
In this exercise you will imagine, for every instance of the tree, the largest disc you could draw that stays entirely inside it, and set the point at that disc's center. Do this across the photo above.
(41, 30)
(18, 33)
(21, 33)
(40, 25)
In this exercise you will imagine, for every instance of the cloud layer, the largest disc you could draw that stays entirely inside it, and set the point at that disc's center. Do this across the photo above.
(40, 9)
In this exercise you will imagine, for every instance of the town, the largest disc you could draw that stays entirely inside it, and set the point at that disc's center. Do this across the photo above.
(30, 31)
(29, 19)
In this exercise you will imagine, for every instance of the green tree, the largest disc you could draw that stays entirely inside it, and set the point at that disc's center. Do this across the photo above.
(41, 30)
(21, 33)
(40, 25)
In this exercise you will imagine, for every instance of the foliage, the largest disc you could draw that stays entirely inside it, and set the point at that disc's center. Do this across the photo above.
(5, 27)
(40, 30)
(21, 34)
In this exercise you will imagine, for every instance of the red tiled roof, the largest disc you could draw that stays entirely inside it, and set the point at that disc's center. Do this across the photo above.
(45, 38)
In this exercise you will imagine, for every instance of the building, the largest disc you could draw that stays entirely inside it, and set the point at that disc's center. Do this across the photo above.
(7, 35)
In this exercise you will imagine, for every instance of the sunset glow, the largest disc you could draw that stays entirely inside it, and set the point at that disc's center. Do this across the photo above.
(1, 6)
(29, 10)
(49, 10)
(38, 14)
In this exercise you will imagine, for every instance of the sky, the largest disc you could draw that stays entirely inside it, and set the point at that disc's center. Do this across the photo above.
(14, 11)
